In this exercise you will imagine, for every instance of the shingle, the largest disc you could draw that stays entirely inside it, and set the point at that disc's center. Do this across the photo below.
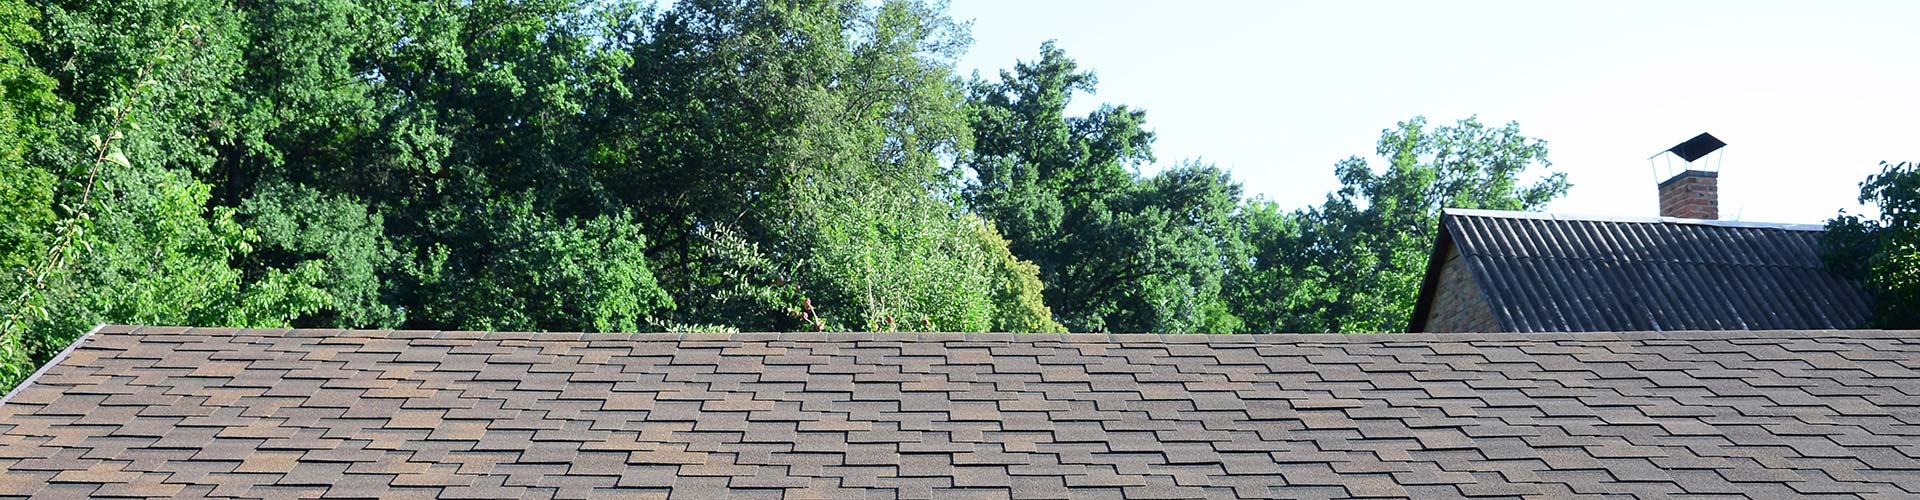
(271, 462)
(406, 414)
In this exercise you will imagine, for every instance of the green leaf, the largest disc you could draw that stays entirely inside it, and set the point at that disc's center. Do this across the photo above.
(119, 159)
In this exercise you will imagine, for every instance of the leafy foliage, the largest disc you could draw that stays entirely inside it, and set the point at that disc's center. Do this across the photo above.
(1883, 253)
(1354, 263)
(28, 110)
(715, 165)
(1019, 301)
(133, 237)
(331, 238)
(1121, 251)
(519, 269)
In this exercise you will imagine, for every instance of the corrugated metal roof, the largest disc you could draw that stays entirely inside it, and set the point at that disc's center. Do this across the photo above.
(1560, 273)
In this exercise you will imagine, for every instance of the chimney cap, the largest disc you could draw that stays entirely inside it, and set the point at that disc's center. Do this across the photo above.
(1693, 149)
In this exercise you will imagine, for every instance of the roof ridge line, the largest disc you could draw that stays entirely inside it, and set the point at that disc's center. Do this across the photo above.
(1118, 338)
(1556, 216)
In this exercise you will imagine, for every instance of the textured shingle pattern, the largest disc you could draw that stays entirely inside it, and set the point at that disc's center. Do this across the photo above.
(358, 414)
(1548, 273)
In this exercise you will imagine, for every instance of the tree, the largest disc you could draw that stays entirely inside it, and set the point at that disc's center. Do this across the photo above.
(1260, 289)
(1019, 301)
(115, 136)
(790, 156)
(1120, 251)
(1355, 262)
(1883, 253)
(333, 239)
(542, 165)
(28, 111)
(504, 265)
(586, 165)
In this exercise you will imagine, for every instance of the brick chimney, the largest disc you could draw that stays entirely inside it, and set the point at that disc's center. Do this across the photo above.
(1692, 194)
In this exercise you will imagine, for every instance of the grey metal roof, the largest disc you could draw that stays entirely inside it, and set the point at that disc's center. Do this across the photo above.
(172, 412)
(1559, 273)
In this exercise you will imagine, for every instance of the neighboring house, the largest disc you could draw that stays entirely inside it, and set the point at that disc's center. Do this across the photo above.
(1495, 271)
(131, 411)
(1498, 271)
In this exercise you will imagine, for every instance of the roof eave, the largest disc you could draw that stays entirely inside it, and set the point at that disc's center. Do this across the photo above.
(57, 358)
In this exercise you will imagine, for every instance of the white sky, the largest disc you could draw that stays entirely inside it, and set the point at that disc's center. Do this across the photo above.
(1810, 96)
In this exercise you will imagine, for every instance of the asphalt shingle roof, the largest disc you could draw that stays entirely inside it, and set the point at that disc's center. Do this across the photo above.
(1559, 273)
(134, 411)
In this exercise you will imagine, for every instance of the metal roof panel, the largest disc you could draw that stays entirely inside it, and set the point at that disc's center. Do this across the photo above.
(1557, 272)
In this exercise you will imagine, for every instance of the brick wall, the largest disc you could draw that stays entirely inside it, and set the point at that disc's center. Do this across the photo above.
(1692, 194)
(1458, 305)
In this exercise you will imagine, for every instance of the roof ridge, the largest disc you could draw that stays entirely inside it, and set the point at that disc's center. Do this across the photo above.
(1118, 338)
(1556, 216)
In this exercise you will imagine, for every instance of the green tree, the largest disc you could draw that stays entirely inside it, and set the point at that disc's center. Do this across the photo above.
(1120, 251)
(554, 164)
(460, 129)
(1354, 263)
(1259, 288)
(28, 111)
(334, 240)
(1883, 253)
(713, 165)
(1019, 301)
(504, 265)
(790, 156)
(132, 238)
(913, 267)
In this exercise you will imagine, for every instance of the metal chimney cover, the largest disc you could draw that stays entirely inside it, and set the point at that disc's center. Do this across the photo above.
(1697, 147)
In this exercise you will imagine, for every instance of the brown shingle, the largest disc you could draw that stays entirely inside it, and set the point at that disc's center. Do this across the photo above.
(354, 414)
(270, 462)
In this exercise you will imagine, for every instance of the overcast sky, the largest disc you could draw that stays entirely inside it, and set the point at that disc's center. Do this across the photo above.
(1810, 96)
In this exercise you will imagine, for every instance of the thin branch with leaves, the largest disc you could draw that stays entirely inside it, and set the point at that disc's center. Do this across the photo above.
(61, 252)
